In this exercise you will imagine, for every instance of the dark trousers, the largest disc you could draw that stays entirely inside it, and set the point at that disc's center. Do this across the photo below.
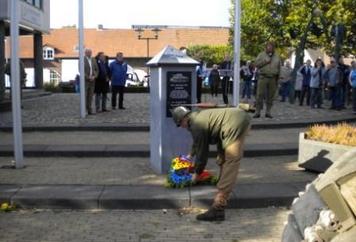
(246, 89)
(100, 97)
(199, 86)
(315, 98)
(305, 93)
(284, 91)
(114, 91)
(297, 95)
(354, 99)
(336, 96)
(214, 88)
(225, 87)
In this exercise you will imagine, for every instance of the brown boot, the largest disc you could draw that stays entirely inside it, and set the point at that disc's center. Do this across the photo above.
(213, 214)
(217, 211)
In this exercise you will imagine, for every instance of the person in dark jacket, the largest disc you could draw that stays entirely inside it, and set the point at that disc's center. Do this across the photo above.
(225, 127)
(200, 77)
(102, 82)
(214, 80)
(225, 67)
(306, 72)
(118, 70)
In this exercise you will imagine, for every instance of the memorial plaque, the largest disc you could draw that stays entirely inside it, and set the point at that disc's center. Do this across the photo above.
(179, 90)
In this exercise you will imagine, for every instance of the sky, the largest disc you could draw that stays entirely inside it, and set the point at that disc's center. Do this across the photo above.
(125, 13)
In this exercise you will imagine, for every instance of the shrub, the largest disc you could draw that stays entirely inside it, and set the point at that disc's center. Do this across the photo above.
(343, 134)
(51, 87)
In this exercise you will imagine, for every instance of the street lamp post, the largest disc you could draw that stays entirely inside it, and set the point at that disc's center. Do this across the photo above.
(140, 32)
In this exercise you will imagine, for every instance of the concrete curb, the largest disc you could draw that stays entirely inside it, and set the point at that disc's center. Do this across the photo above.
(253, 150)
(144, 196)
(145, 127)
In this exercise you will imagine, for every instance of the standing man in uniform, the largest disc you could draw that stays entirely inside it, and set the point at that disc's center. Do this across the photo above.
(90, 72)
(225, 127)
(269, 65)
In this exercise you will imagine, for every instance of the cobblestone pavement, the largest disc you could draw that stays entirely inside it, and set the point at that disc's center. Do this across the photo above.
(63, 109)
(132, 171)
(250, 225)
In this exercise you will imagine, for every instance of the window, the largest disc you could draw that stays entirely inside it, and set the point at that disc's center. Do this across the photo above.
(48, 53)
(54, 77)
(36, 3)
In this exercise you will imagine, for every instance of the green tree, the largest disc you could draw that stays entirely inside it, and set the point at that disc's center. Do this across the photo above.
(295, 26)
(211, 54)
(287, 22)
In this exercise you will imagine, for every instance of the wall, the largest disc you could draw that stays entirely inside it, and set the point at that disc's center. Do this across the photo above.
(69, 69)
(29, 16)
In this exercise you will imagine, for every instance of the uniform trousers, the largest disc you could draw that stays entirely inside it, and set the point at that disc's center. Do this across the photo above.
(229, 169)
(266, 87)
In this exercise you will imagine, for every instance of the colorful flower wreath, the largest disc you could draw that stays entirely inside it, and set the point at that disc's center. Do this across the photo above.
(181, 173)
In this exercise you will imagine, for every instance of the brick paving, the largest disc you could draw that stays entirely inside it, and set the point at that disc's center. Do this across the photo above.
(63, 109)
(249, 225)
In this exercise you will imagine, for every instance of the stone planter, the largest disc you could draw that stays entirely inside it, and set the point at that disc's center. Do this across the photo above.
(319, 156)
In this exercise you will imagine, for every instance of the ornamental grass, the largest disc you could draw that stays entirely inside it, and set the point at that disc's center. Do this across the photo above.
(343, 134)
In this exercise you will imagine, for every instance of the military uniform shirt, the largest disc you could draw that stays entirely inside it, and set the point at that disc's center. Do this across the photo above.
(215, 126)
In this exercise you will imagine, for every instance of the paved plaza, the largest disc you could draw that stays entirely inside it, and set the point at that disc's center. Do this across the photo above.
(248, 225)
(64, 110)
(103, 170)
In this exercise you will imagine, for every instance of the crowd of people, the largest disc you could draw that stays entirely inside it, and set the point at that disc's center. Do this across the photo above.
(319, 86)
(98, 75)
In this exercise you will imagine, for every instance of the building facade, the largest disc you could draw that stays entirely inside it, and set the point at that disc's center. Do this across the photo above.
(60, 47)
(34, 21)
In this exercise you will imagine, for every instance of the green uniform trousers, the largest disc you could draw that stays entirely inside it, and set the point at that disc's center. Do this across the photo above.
(266, 88)
(229, 170)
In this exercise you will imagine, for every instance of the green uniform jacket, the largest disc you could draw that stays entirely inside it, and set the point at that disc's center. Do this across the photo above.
(220, 126)
(268, 66)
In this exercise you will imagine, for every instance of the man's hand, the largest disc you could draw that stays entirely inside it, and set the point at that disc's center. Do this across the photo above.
(189, 156)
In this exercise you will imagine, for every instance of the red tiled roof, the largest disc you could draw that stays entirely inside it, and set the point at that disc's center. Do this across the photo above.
(111, 41)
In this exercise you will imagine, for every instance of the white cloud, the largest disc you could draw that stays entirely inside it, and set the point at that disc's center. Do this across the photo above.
(123, 14)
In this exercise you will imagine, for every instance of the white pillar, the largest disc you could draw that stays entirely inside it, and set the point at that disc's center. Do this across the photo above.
(237, 47)
(81, 59)
(16, 86)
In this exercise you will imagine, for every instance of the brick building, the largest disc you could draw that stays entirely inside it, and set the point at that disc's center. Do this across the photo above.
(60, 47)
